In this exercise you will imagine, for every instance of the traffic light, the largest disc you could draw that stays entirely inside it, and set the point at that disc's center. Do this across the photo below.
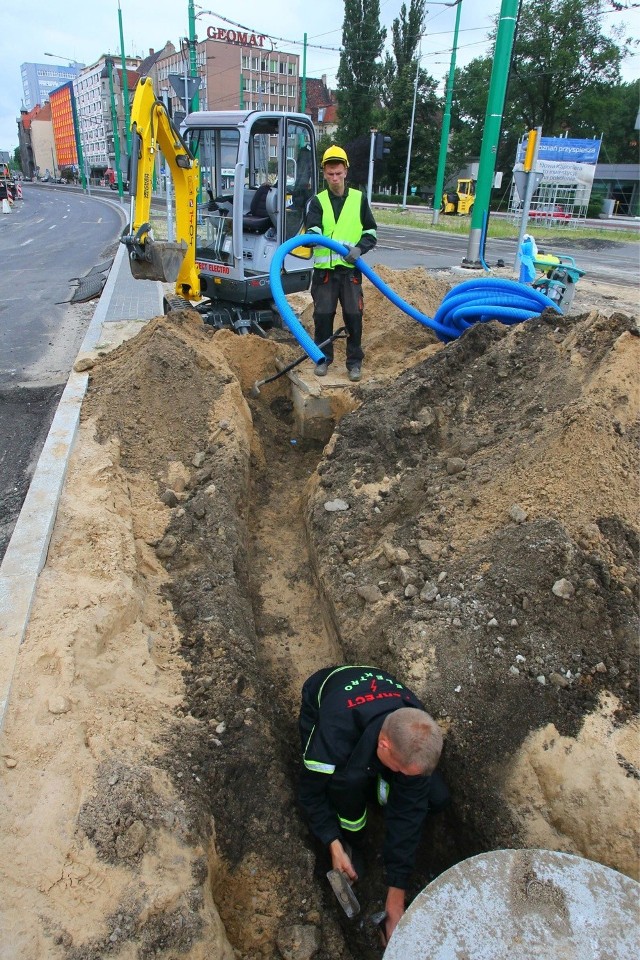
(381, 148)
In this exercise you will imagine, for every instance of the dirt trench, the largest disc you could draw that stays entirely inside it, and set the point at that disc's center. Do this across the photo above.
(195, 578)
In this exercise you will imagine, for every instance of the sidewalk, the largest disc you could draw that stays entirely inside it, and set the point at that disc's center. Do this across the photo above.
(123, 305)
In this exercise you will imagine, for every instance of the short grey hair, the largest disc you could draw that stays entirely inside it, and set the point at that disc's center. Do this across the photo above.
(415, 737)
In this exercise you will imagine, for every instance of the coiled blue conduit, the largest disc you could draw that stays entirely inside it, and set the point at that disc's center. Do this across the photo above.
(474, 301)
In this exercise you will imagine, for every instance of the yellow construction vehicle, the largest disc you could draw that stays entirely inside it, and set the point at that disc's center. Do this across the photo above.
(461, 201)
(258, 171)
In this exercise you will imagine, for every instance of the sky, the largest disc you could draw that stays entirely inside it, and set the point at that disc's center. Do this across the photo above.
(84, 33)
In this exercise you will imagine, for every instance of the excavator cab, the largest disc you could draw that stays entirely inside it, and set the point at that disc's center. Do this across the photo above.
(258, 171)
(242, 181)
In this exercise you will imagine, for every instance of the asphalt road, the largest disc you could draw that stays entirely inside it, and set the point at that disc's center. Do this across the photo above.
(403, 247)
(50, 237)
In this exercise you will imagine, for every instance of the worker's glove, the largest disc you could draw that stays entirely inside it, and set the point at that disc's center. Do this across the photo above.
(354, 254)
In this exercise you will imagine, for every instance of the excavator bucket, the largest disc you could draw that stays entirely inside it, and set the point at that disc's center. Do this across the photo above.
(162, 261)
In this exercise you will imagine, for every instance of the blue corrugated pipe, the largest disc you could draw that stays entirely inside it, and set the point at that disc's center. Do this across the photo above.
(474, 301)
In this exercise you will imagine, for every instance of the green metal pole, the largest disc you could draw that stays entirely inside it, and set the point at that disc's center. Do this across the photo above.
(114, 121)
(125, 85)
(446, 122)
(76, 130)
(242, 91)
(303, 94)
(193, 60)
(492, 123)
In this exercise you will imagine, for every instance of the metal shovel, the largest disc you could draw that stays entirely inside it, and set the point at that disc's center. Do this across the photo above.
(255, 389)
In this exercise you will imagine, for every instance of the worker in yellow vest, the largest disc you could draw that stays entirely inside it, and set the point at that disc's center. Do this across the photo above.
(342, 213)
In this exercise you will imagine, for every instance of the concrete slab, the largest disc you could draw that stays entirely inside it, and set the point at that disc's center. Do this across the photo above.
(319, 402)
(522, 905)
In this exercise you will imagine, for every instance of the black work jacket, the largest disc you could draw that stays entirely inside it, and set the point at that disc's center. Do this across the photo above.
(353, 703)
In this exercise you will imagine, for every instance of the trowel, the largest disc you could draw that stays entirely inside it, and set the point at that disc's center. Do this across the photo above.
(344, 894)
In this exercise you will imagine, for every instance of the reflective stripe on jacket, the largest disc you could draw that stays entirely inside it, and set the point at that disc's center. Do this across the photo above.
(347, 229)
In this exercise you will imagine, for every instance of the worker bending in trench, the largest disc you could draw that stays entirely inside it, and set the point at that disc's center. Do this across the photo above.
(366, 737)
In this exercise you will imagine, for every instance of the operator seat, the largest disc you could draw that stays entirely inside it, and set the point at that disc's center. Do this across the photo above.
(257, 220)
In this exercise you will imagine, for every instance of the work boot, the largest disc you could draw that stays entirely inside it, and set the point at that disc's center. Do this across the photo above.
(355, 372)
(321, 369)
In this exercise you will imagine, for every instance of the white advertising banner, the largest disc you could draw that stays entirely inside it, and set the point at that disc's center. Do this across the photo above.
(562, 161)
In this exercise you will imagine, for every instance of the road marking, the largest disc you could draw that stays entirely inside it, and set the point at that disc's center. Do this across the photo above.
(53, 226)
(26, 242)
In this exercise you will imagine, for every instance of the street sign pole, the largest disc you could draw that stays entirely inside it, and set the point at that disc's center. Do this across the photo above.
(532, 181)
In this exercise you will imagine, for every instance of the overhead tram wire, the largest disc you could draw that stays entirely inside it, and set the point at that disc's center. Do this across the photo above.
(317, 46)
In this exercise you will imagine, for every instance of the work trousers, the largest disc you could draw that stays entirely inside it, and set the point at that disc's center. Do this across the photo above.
(341, 285)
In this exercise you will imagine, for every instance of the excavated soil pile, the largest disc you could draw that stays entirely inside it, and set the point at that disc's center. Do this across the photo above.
(484, 548)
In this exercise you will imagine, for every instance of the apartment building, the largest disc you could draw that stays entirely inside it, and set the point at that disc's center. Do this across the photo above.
(237, 71)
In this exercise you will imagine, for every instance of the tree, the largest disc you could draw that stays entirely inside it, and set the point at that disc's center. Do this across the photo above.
(359, 73)
(559, 52)
(399, 85)
(609, 112)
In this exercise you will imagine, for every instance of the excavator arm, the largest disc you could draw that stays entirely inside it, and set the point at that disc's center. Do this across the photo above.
(169, 262)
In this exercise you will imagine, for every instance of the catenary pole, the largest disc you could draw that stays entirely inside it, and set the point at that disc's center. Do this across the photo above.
(193, 58)
(114, 123)
(493, 121)
(303, 95)
(446, 122)
(125, 85)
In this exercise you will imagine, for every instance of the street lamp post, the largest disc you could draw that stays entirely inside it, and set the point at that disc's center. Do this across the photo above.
(413, 119)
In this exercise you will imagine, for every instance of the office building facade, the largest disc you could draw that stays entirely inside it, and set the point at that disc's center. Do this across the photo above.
(39, 79)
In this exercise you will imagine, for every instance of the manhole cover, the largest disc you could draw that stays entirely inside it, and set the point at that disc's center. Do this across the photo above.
(522, 905)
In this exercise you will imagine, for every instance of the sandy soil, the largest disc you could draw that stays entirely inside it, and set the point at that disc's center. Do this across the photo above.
(488, 555)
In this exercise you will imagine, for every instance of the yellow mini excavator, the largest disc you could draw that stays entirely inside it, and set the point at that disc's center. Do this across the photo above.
(258, 171)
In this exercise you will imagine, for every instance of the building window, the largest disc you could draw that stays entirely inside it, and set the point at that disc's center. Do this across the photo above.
(292, 69)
